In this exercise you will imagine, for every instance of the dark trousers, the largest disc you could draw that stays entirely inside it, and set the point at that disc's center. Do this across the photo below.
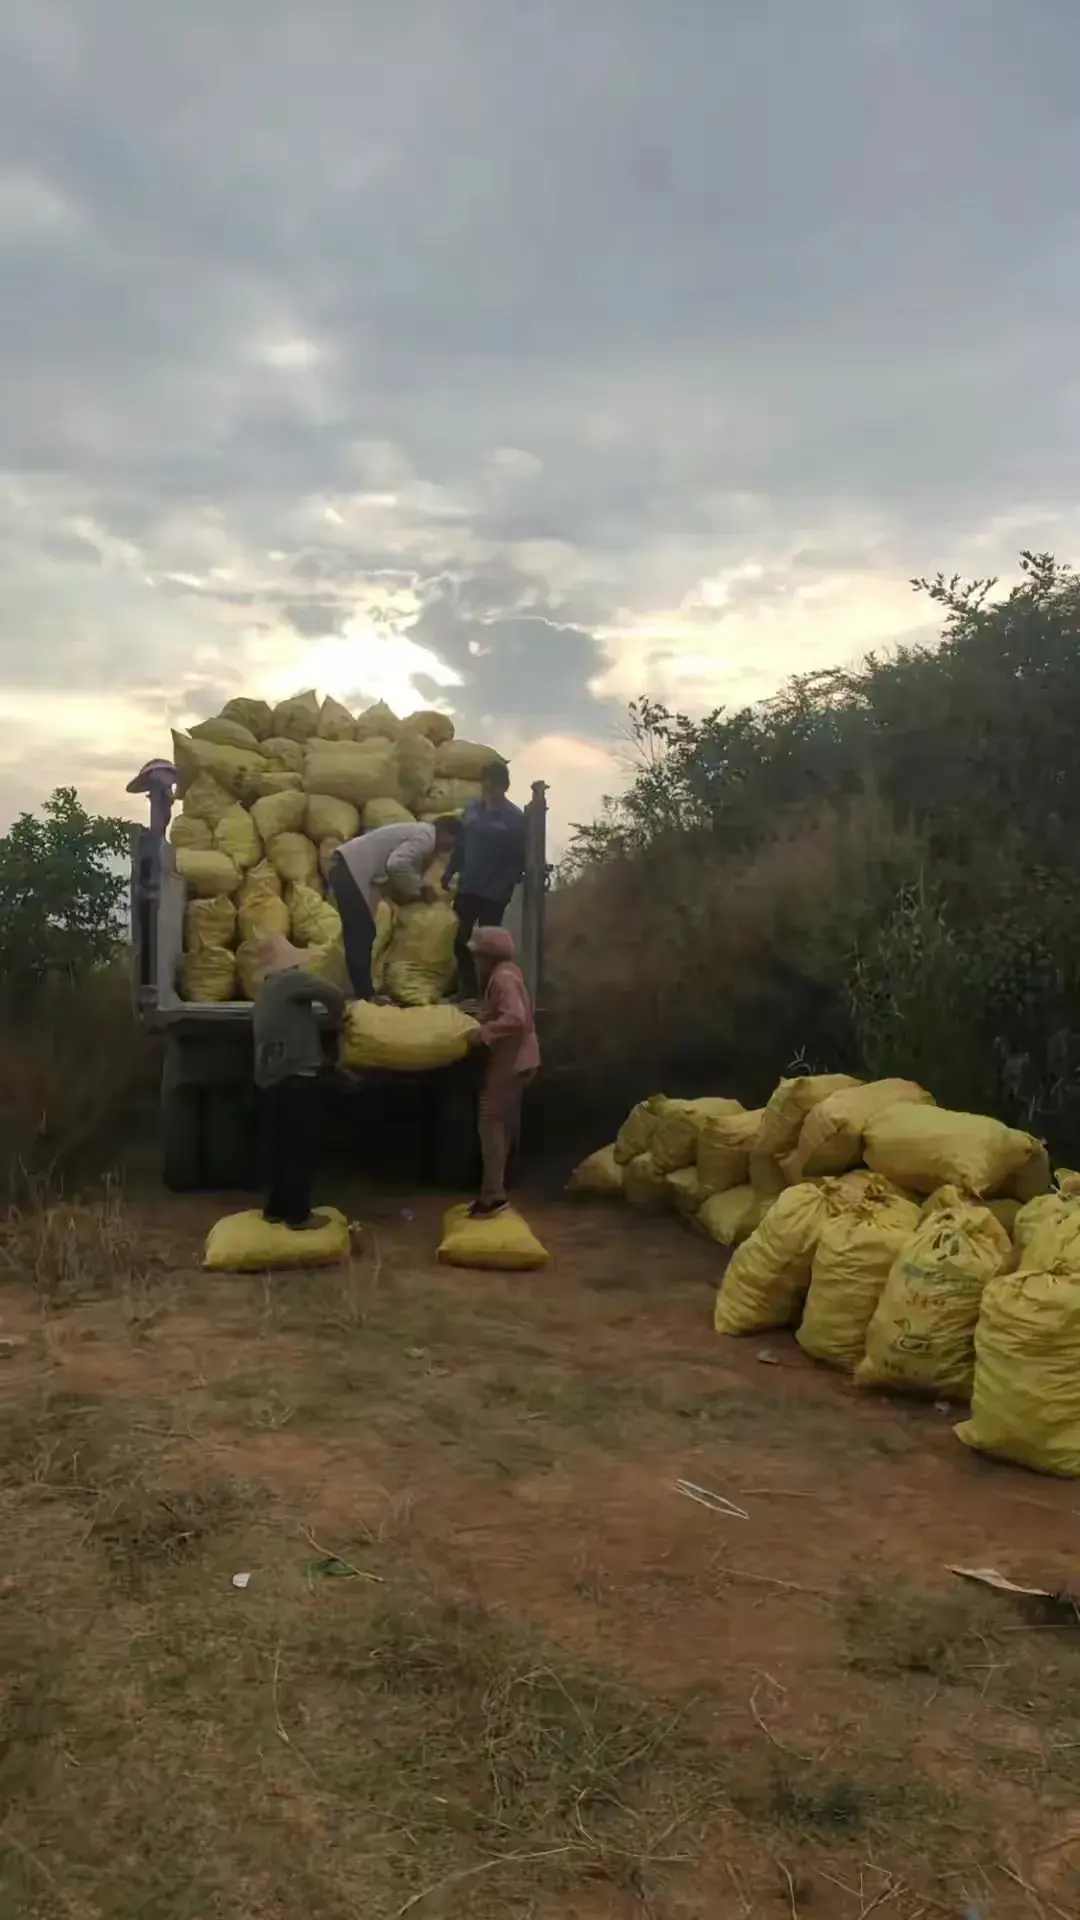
(472, 912)
(357, 926)
(290, 1147)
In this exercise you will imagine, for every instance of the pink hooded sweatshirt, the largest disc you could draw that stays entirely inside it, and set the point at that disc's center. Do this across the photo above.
(506, 1018)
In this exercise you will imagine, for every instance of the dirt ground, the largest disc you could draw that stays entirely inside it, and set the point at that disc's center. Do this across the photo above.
(489, 1660)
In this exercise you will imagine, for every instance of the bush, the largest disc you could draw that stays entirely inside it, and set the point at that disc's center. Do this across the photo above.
(878, 870)
(70, 1074)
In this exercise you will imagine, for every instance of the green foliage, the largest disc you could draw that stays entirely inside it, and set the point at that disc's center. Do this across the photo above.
(61, 894)
(958, 963)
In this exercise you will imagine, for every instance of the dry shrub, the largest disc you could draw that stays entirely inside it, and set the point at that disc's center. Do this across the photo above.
(72, 1068)
(681, 967)
(74, 1249)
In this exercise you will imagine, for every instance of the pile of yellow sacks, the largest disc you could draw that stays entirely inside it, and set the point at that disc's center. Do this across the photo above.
(921, 1250)
(266, 796)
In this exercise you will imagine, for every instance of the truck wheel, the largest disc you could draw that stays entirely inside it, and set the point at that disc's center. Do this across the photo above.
(228, 1139)
(181, 1139)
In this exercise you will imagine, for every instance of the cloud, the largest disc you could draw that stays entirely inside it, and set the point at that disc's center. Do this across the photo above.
(529, 360)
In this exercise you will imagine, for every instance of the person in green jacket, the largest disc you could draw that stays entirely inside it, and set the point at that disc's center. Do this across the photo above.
(288, 1062)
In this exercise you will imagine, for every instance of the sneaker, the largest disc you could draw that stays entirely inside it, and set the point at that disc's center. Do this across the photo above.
(310, 1225)
(487, 1209)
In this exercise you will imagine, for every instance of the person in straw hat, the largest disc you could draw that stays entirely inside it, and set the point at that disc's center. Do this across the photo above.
(288, 1061)
(506, 1028)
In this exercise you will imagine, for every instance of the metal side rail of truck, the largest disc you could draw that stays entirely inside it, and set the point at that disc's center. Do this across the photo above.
(208, 1106)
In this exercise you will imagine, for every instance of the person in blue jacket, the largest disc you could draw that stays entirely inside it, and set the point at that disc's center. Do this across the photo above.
(489, 860)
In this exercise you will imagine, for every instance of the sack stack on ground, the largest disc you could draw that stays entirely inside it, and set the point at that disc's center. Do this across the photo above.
(812, 1128)
(266, 795)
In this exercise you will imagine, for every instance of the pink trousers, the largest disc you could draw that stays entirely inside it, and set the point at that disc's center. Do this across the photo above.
(499, 1127)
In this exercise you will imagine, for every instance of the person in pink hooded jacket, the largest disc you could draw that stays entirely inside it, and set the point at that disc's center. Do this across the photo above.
(506, 1028)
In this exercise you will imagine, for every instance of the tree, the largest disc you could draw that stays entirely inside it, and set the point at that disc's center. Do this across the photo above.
(61, 894)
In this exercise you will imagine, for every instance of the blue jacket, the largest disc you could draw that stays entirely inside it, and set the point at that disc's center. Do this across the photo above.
(491, 860)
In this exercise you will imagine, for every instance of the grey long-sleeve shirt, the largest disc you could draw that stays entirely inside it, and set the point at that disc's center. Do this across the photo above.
(286, 1026)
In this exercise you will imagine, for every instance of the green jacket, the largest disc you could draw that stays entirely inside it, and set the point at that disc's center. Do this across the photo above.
(286, 1025)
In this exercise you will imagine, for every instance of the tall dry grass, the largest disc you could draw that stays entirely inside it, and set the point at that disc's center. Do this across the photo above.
(684, 970)
(74, 1070)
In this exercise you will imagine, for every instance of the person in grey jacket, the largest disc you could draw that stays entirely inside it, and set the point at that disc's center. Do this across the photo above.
(393, 860)
(288, 1061)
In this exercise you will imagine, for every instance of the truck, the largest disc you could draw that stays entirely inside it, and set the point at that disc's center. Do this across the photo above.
(208, 1126)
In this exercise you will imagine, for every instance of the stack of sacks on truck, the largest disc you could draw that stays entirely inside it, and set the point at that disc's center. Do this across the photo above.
(266, 796)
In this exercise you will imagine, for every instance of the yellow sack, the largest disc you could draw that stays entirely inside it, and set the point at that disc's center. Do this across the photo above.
(599, 1174)
(927, 1147)
(335, 722)
(436, 727)
(465, 760)
(227, 765)
(1005, 1212)
(921, 1337)
(279, 813)
(327, 850)
(237, 835)
(636, 1133)
(404, 1039)
(766, 1175)
(209, 923)
(195, 835)
(255, 715)
(207, 800)
(416, 766)
(246, 1243)
(683, 1191)
(1047, 1232)
(723, 1150)
(1066, 1181)
(854, 1257)
(1025, 1403)
(328, 819)
(787, 1108)
(262, 910)
(286, 756)
(643, 1183)
(297, 718)
(208, 973)
(207, 873)
(328, 962)
(831, 1140)
(260, 786)
(449, 796)
(379, 722)
(1033, 1177)
(293, 858)
(225, 733)
(730, 1217)
(250, 967)
(384, 927)
(313, 921)
(675, 1142)
(767, 1278)
(419, 963)
(353, 770)
(385, 813)
(504, 1243)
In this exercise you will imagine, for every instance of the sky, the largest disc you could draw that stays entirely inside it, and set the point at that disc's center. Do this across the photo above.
(519, 357)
